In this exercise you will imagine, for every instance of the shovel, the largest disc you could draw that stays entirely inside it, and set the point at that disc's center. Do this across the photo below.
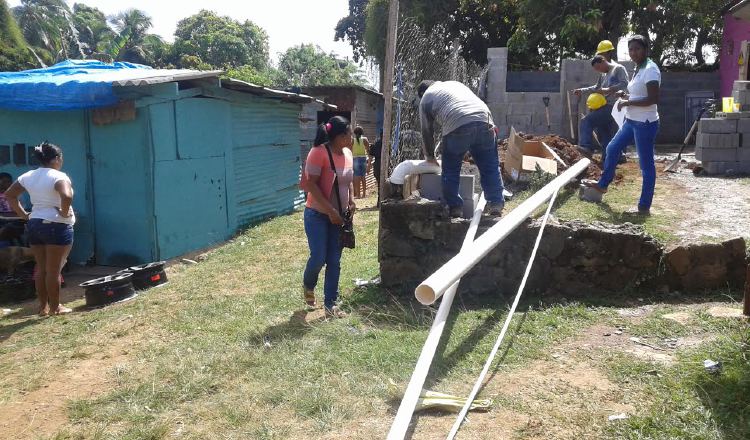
(545, 100)
(675, 164)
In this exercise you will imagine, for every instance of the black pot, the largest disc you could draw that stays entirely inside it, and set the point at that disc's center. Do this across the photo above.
(148, 275)
(16, 288)
(109, 289)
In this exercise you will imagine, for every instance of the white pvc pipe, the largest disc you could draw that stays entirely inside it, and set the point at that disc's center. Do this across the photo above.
(414, 389)
(496, 347)
(433, 287)
(408, 167)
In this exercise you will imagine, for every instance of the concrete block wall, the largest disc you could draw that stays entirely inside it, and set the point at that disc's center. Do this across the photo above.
(525, 110)
(723, 144)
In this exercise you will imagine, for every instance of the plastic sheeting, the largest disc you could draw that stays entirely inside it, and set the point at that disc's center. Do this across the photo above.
(70, 85)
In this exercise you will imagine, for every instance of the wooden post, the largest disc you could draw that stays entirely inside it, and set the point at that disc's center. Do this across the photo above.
(390, 61)
(746, 310)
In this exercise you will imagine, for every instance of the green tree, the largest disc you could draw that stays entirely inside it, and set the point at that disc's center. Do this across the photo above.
(268, 77)
(92, 27)
(679, 30)
(133, 43)
(15, 53)
(48, 25)
(309, 65)
(222, 41)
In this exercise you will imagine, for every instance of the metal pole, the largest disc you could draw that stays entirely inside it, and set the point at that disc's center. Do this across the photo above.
(390, 61)
(433, 287)
(413, 390)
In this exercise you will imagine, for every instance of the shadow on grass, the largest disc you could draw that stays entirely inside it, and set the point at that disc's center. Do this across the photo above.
(6, 331)
(299, 324)
(727, 395)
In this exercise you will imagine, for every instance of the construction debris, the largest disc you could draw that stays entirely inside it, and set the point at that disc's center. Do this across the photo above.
(566, 151)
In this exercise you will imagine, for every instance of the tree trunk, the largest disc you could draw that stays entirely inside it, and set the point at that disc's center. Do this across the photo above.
(700, 41)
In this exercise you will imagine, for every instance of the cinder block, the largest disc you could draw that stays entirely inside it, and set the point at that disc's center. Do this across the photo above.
(431, 187)
(743, 126)
(741, 97)
(722, 168)
(716, 154)
(733, 115)
(743, 154)
(741, 85)
(717, 126)
(715, 140)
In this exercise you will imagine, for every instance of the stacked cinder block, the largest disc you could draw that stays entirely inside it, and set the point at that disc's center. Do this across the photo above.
(723, 143)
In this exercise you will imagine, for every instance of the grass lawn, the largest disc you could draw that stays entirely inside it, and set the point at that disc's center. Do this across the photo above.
(226, 351)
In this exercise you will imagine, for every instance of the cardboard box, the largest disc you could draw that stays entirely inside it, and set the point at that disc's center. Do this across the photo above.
(524, 157)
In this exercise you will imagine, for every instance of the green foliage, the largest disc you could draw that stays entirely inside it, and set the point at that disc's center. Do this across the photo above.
(222, 41)
(48, 25)
(309, 65)
(92, 27)
(267, 77)
(14, 52)
(540, 33)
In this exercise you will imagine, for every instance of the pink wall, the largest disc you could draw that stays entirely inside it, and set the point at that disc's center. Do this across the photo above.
(735, 31)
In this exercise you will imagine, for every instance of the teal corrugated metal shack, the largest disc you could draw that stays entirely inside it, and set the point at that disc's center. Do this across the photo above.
(179, 164)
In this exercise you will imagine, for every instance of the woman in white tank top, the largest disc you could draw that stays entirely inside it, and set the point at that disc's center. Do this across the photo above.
(49, 229)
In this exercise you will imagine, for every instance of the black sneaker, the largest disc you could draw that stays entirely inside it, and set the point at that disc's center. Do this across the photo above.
(495, 209)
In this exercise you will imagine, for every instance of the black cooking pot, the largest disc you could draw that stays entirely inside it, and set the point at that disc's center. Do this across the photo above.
(109, 289)
(16, 288)
(148, 275)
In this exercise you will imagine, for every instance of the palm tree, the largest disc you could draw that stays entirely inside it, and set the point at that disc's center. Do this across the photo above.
(48, 24)
(133, 42)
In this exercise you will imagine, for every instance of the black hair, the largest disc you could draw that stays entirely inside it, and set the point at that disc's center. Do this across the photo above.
(6, 176)
(423, 86)
(358, 132)
(597, 59)
(640, 39)
(336, 126)
(47, 152)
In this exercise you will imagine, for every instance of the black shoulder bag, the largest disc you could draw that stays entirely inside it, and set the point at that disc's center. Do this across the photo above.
(346, 235)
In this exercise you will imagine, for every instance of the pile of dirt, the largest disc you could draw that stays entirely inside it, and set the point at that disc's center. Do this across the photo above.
(567, 152)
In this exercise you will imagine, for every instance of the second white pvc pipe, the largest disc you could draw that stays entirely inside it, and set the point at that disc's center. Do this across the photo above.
(433, 287)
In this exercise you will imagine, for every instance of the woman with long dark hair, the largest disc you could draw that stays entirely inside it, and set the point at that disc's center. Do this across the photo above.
(641, 125)
(329, 194)
(50, 224)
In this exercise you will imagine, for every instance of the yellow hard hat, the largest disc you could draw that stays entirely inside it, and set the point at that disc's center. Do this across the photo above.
(604, 47)
(596, 101)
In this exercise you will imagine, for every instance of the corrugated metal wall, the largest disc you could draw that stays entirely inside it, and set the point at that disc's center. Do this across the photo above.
(266, 159)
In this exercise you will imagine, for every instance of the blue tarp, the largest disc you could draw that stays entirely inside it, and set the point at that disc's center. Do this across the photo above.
(69, 85)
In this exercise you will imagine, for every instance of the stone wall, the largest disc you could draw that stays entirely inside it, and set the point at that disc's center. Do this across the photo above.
(417, 237)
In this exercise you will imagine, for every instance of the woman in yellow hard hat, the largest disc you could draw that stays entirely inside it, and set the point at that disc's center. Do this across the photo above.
(613, 78)
(641, 125)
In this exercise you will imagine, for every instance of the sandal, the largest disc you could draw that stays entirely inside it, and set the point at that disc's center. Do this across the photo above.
(308, 295)
(588, 183)
(62, 310)
(335, 312)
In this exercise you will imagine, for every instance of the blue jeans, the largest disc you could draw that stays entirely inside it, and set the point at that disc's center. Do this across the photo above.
(601, 122)
(479, 139)
(325, 249)
(644, 135)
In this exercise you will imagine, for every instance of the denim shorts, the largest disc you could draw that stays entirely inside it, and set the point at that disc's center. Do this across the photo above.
(42, 232)
(360, 166)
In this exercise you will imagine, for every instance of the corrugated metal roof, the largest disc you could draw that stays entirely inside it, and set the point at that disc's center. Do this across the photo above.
(159, 76)
(243, 86)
